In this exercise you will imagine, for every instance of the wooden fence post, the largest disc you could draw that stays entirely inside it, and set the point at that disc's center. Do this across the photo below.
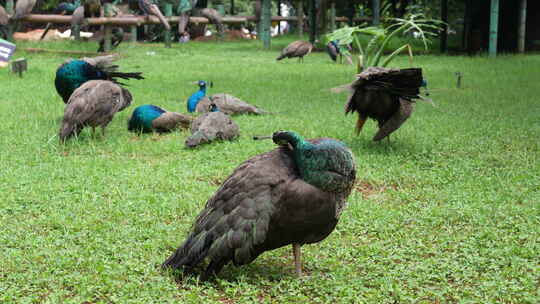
(266, 20)
(168, 13)
(493, 28)
(133, 36)
(300, 16)
(107, 29)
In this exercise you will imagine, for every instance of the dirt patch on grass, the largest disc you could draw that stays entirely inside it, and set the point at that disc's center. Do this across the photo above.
(368, 189)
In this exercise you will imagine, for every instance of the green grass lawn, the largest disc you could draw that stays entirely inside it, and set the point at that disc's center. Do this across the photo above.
(448, 212)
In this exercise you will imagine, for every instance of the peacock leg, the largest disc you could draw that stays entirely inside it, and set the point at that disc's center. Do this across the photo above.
(102, 131)
(297, 259)
(93, 132)
(360, 123)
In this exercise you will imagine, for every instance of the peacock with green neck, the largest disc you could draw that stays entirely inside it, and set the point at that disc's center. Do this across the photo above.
(290, 195)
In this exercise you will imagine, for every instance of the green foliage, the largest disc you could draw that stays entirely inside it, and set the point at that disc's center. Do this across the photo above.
(446, 213)
(380, 37)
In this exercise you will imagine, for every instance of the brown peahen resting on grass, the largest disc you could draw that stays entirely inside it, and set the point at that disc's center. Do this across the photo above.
(385, 95)
(293, 194)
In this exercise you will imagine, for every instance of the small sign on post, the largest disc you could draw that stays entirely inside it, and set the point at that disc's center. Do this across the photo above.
(6, 50)
(19, 66)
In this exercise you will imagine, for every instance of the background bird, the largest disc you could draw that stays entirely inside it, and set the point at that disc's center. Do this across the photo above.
(149, 8)
(298, 49)
(93, 104)
(92, 8)
(148, 118)
(116, 38)
(385, 95)
(227, 104)
(23, 8)
(77, 19)
(4, 19)
(212, 126)
(64, 8)
(196, 97)
(73, 73)
(291, 195)
(214, 17)
(333, 49)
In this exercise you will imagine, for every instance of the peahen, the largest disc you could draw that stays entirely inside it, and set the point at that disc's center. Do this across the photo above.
(148, 118)
(93, 104)
(227, 104)
(293, 194)
(149, 8)
(4, 17)
(385, 95)
(214, 17)
(298, 49)
(23, 8)
(196, 97)
(211, 126)
(73, 73)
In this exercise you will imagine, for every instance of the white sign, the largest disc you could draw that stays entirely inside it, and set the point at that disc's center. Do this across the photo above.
(6, 50)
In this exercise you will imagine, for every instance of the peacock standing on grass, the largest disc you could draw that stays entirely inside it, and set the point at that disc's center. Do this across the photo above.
(148, 118)
(227, 104)
(212, 126)
(333, 50)
(299, 48)
(293, 194)
(149, 8)
(196, 97)
(385, 95)
(73, 73)
(93, 104)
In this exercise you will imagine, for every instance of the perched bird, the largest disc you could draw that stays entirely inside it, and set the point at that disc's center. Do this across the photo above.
(67, 8)
(92, 8)
(4, 17)
(227, 104)
(73, 73)
(211, 126)
(194, 99)
(385, 95)
(93, 104)
(298, 49)
(333, 49)
(214, 17)
(77, 19)
(149, 8)
(148, 118)
(293, 194)
(116, 39)
(23, 8)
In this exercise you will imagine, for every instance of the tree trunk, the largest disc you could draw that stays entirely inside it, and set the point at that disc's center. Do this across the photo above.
(493, 28)
(444, 32)
(300, 15)
(522, 25)
(266, 20)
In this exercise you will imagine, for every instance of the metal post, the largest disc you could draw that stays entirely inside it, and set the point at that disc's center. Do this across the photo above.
(266, 20)
(444, 32)
(133, 36)
(107, 29)
(376, 12)
(168, 13)
(300, 16)
(332, 16)
(312, 21)
(493, 28)
(522, 25)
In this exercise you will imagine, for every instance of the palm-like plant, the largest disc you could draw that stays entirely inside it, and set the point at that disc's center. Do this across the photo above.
(371, 53)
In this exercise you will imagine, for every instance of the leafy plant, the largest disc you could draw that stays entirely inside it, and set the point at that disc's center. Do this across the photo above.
(370, 53)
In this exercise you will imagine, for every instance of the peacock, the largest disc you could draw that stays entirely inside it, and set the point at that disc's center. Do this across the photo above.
(93, 104)
(293, 194)
(214, 17)
(196, 97)
(299, 48)
(227, 104)
(214, 125)
(385, 95)
(148, 118)
(150, 8)
(67, 8)
(73, 73)
(333, 49)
